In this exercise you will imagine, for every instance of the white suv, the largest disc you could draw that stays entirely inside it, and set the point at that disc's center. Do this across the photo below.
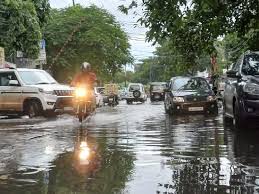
(32, 92)
(136, 93)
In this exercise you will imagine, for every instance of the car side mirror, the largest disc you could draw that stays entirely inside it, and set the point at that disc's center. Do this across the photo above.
(233, 74)
(14, 83)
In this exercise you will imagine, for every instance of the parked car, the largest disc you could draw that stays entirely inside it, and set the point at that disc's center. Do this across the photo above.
(122, 94)
(136, 93)
(101, 90)
(241, 99)
(190, 95)
(157, 91)
(99, 96)
(32, 92)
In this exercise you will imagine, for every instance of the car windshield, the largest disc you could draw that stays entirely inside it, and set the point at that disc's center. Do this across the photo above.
(251, 64)
(134, 87)
(157, 87)
(100, 90)
(190, 84)
(36, 77)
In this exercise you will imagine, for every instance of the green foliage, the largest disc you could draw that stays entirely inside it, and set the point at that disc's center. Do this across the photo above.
(87, 34)
(20, 25)
(204, 19)
(192, 27)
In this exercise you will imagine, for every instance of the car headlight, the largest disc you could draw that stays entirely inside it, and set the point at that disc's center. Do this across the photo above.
(46, 92)
(211, 98)
(251, 88)
(178, 99)
(80, 92)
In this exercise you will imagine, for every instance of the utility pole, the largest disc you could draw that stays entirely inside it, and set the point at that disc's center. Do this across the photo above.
(125, 75)
(73, 2)
(150, 72)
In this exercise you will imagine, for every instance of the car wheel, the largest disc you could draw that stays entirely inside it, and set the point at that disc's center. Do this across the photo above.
(129, 102)
(238, 121)
(136, 94)
(33, 109)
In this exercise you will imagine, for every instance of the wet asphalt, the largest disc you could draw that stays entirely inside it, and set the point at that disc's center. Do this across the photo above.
(131, 149)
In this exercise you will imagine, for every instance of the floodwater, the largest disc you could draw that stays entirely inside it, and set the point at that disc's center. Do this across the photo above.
(131, 149)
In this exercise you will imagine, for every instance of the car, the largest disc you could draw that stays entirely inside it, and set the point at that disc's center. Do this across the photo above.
(136, 93)
(241, 99)
(101, 90)
(190, 95)
(122, 93)
(156, 91)
(32, 92)
(98, 91)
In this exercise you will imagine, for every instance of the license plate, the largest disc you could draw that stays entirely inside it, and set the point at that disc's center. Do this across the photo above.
(196, 108)
(157, 97)
(110, 99)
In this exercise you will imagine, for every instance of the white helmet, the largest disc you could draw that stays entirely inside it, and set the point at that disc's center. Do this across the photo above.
(85, 66)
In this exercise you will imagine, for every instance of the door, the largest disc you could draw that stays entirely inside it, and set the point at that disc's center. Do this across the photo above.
(230, 88)
(10, 97)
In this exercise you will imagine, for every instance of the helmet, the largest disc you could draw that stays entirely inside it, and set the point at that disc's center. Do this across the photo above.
(85, 66)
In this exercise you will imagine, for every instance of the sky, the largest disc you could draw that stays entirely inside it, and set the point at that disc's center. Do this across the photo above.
(140, 49)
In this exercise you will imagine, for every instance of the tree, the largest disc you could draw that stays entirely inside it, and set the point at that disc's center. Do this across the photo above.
(194, 26)
(166, 63)
(21, 24)
(78, 34)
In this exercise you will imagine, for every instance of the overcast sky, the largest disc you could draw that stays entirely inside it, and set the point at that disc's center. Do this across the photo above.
(139, 48)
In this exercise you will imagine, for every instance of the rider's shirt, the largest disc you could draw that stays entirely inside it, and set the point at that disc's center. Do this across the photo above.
(85, 78)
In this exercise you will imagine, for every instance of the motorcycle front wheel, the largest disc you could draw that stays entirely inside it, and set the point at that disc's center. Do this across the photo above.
(80, 114)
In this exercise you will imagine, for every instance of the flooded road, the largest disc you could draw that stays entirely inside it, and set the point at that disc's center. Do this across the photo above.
(131, 149)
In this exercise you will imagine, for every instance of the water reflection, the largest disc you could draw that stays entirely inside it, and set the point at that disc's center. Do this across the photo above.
(131, 149)
(91, 167)
(206, 158)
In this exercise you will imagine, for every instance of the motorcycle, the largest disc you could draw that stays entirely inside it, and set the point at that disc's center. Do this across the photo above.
(83, 102)
(112, 100)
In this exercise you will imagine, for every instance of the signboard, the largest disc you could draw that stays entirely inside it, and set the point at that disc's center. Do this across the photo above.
(42, 44)
(19, 54)
(2, 56)
(42, 55)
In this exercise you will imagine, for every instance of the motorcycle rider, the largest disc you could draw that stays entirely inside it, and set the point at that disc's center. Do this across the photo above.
(86, 78)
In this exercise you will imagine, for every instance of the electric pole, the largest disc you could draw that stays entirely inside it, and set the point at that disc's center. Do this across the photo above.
(125, 75)
(73, 2)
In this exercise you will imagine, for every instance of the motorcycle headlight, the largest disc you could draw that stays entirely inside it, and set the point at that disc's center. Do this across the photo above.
(178, 99)
(80, 92)
(251, 88)
(211, 98)
(84, 151)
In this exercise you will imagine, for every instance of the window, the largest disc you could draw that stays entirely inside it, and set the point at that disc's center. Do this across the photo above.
(179, 82)
(251, 64)
(134, 87)
(190, 84)
(36, 77)
(6, 77)
(158, 87)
